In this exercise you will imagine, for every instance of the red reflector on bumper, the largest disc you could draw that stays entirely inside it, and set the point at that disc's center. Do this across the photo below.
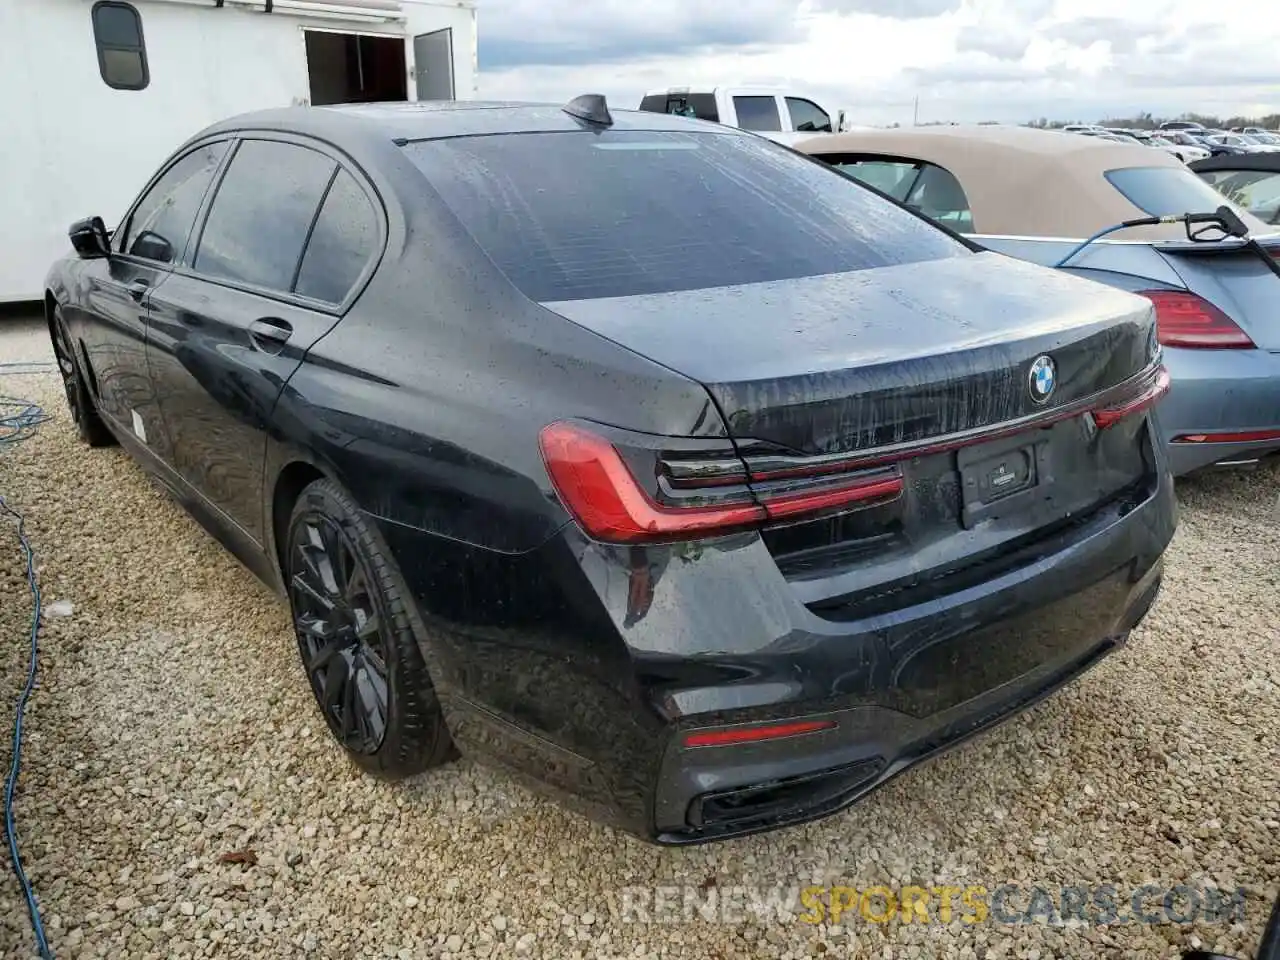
(1245, 436)
(775, 731)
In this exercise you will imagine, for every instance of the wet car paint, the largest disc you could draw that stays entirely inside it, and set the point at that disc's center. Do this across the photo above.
(577, 663)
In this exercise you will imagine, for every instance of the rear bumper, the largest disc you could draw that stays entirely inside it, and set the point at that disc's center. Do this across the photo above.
(1219, 391)
(925, 680)
(585, 665)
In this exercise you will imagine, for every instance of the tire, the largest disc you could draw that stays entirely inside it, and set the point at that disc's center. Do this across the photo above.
(356, 639)
(84, 412)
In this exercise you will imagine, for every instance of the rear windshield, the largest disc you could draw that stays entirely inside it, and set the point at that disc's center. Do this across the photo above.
(581, 215)
(1166, 191)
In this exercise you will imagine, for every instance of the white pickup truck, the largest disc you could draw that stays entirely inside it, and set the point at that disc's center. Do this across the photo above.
(775, 114)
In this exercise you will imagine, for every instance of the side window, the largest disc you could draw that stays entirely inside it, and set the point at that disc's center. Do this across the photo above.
(757, 113)
(807, 116)
(892, 177)
(704, 106)
(262, 212)
(344, 238)
(122, 55)
(938, 195)
(162, 220)
(701, 106)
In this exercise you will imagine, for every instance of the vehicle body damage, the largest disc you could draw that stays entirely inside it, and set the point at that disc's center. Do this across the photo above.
(710, 507)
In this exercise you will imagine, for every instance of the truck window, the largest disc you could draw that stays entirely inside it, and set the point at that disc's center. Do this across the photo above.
(807, 116)
(699, 105)
(757, 113)
(122, 55)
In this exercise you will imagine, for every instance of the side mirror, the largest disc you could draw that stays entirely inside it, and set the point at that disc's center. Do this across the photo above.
(89, 238)
(152, 246)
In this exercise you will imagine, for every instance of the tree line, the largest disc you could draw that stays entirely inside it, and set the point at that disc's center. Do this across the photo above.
(1145, 121)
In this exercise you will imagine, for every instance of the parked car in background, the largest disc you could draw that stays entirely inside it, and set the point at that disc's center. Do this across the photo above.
(1264, 138)
(1241, 143)
(1184, 152)
(1251, 181)
(1252, 130)
(1217, 148)
(1217, 303)
(780, 115)
(1196, 149)
(713, 502)
(1084, 128)
(1189, 125)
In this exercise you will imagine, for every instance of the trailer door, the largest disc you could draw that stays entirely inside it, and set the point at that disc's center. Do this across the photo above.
(433, 64)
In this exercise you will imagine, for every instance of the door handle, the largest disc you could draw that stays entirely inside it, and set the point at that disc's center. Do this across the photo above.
(138, 289)
(270, 334)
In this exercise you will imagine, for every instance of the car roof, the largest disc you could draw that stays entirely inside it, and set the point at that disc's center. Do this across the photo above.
(1021, 181)
(438, 119)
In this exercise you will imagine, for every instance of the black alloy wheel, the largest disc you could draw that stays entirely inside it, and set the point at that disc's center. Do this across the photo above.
(356, 641)
(339, 633)
(89, 426)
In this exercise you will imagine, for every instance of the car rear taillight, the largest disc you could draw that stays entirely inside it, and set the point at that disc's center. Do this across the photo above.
(597, 487)
(1186, 320)
(1144, 399)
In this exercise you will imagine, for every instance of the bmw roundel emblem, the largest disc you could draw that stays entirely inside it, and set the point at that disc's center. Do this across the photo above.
(1043, 378)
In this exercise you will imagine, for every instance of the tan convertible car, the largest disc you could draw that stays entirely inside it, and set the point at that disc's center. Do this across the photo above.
(1038, 195)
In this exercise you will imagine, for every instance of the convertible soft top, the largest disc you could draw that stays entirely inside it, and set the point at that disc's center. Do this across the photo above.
(1020, 181)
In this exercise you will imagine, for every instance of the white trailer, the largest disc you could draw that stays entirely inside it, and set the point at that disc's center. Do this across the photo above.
(101, 91)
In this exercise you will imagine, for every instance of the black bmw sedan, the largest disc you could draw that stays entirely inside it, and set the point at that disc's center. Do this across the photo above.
(642, 456)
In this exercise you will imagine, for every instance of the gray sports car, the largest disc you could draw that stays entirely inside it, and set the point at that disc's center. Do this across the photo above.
(1038, 195)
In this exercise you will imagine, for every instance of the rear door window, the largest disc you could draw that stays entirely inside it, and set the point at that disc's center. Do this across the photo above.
(1165, 191)
(343, 240)
(570, 216)
(262, 213)
(757, 113)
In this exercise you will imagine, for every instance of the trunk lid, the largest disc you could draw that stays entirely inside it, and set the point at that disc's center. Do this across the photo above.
(845, 362)
(1235, 280)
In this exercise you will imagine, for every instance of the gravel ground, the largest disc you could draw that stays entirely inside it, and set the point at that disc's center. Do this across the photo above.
(172, 726)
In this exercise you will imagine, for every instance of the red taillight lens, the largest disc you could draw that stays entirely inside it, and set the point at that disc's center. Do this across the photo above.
(598, 489)
(595, 485)
(1185, 320)
(774, 731)
(1143, 400)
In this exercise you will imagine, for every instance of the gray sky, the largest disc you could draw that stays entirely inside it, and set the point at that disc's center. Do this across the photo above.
(969, 60)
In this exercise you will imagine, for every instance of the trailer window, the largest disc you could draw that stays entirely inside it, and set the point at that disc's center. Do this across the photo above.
(122, 54)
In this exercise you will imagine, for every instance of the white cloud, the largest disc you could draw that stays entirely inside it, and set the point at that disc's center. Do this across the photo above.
(964, 59)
